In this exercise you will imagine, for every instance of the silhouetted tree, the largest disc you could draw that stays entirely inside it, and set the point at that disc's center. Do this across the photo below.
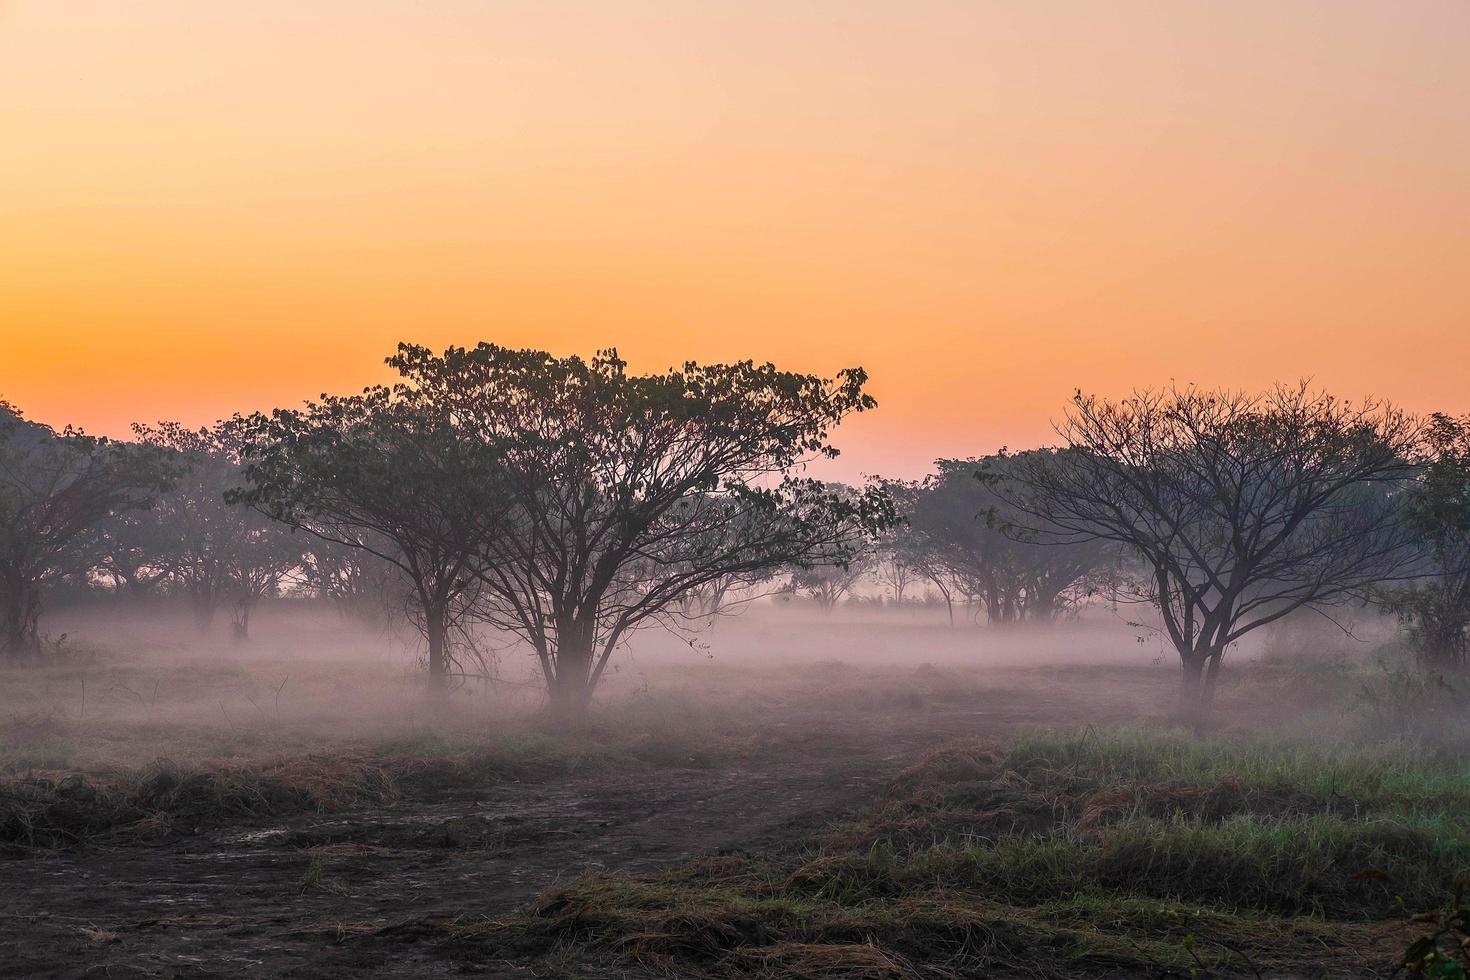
(828, 579)
(630, 491)
(389, 473)
(358, 583)
(212, 551)
(962, 532)
(133, 551)
(1241, 508)
(55, 490)
(1435, 610)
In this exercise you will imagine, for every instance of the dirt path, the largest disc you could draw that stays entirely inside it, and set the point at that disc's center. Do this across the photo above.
(234, 904)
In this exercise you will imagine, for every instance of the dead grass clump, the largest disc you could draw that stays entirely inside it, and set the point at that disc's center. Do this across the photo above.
(822, 961)
(49, 811)
(717, 928)
(290, 786)
(57, 811)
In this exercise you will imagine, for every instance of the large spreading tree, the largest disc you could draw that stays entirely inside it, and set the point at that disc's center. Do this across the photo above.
(392, 474)
(627, 492)
(1241, 508)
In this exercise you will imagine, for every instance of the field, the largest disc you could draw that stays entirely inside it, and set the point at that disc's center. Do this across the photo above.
(860, 797)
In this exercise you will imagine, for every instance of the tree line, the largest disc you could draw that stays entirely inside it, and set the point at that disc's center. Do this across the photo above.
(569, 502)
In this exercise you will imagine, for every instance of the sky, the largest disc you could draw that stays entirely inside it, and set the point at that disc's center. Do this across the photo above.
(210, 206)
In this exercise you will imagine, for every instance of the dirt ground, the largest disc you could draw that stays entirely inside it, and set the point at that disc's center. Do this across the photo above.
(239, 902)
(821, 714)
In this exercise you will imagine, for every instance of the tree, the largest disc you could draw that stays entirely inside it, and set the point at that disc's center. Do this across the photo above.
(963, 529)
(830, 574)
(359, 584)
(627, 492)
(133, 550)
(211, 550)
(390, 474)
(829, 579)
(893, 571)
(1435, 610)
(912, 547)
(55, 490)
(1241, 508)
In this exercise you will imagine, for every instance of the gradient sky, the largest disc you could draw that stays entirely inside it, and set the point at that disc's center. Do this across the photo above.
(211, 206)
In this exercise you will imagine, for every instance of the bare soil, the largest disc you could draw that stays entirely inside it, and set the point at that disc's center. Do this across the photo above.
(370, 891)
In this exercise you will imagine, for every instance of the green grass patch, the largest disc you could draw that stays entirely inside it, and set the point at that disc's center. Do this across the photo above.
(1064, 853)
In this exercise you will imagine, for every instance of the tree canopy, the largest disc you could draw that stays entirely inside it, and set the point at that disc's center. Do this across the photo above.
(626, 491)
(1241, 507)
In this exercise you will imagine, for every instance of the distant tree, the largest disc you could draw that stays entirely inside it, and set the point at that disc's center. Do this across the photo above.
(55, 491)
(1241, 508)
(133, 552)
(705, 603)
(391, 474)
(356, 582)
(212, 551)
(631, 491)
(829, 580)
(833, 572)
(897, 575)
(963, 530)
(1435, 609)
(913, 548)
(261, 561)
(892, 565)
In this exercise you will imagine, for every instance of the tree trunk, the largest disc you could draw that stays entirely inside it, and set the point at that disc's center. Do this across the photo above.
(571, 689)
(240, 622)
(436, 631)
(992, 608)
(1043, 609)
(204, 606)
(19, 613)
(1191, 682)
(1212, 674)
(1201, 669)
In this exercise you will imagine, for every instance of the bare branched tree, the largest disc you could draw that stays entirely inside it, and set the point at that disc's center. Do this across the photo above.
(1242, 508)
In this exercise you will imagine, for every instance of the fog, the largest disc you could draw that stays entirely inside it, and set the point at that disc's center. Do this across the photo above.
(131, 681)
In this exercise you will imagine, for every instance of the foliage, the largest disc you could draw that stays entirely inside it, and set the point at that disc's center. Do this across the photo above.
(1435, 610)
(962, 531)
(391, 474)
(207, 548)
(1444, 952)
(624, 492)
(56, 491)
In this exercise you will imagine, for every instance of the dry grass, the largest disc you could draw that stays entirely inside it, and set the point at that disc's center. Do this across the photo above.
(1061, 856)
(56, 808)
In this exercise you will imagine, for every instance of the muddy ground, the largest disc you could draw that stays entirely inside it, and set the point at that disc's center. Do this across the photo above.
(310, 896)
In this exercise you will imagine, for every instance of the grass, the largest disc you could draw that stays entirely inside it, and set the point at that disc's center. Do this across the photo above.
(50, 808)
(1064, 855)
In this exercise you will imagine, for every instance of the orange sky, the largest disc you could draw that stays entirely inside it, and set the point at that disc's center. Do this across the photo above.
(210, 206)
